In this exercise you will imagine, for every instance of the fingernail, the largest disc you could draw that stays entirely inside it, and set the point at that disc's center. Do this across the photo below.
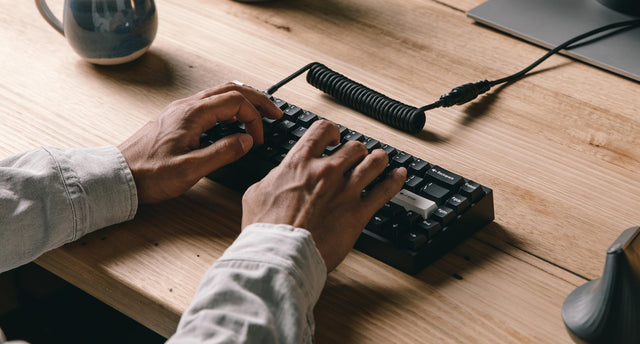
(246, 141)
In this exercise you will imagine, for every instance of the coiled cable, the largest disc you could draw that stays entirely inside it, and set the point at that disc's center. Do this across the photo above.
(410, 118)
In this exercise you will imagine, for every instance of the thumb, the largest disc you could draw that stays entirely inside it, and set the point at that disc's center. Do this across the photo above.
(222, 152)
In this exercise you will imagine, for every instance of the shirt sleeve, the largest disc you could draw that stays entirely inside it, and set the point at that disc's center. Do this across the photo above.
(49, 197)
(262, 290)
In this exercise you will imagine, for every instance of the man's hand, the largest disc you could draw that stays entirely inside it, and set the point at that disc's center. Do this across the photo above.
(164, 155)
(323, 194)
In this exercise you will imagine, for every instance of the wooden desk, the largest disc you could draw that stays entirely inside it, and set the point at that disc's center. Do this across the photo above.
(559, 149)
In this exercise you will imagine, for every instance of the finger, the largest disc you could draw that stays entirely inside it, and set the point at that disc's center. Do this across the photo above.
(222, 152)
(384, 191)
(257, 98)
(313, 143)
(224, 107)
(349, 155)
(370, 168)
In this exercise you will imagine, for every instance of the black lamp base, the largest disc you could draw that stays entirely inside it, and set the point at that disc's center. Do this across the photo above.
(607, 309)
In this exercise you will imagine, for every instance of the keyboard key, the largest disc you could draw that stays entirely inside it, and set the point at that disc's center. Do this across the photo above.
(391, 209)
(415, 239)
(332, 149)
(306, 119)
(444, 177)
(343, 130)
(444, 215)
(292, 112)
(411, 201)
(371, 144)
(287, 145)
(418, 167)
(471, 190)
(435, 193)
(353, 135)
(265, 152)
(285, 127)
(458, 203)
(394, 231)
(432, 228)
(410, 219)
(378, 223)
(280, 103)
(401, 159)
(274, 139)
(297, 133)
(391, 151)
(413, 183)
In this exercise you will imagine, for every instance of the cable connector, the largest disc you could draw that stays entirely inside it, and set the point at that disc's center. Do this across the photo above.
(464, 93)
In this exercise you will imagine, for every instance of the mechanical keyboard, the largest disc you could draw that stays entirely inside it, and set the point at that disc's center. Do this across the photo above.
(435, 210)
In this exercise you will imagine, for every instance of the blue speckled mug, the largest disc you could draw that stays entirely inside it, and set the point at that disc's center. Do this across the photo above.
(106, 32)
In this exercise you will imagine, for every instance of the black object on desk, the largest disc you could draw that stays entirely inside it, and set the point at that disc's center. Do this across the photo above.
(607, 309)
(436, 209)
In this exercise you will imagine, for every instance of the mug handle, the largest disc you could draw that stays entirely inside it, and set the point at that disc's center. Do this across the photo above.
(49, 16)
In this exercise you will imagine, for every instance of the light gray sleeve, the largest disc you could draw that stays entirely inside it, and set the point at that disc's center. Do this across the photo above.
(49, 197)
(262, 290)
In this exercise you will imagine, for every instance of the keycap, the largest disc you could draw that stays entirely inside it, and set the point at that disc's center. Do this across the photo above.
(371, 144)
(471, 190)
(306, 119)
(411, 201)
(410, 219)
(401, 159)
(287, 145)
(435, 192)
(298, 132)
(444, 215)
(458, 203)
(291, 113)
(415, 239)
(391, 209)
(394, 231)
(353, 135)
(332, 149)
(377, 224)
(418, 167)
(444, 177)
(343, 130)
(391, 151)
(280, 103)
(431, 227)
(413, 183)
(285, 127)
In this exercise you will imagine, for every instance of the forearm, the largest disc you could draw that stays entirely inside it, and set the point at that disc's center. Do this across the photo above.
(262, 290)
(49, 197)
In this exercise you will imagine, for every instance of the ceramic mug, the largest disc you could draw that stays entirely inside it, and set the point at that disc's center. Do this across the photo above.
(106, 32)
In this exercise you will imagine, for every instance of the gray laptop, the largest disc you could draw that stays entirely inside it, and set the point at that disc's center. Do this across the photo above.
(551, 22)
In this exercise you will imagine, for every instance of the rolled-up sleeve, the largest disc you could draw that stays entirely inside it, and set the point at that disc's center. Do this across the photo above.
(49, 197)
(262, 290)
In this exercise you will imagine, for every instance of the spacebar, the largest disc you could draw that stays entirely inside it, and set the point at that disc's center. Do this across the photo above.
(418, 204)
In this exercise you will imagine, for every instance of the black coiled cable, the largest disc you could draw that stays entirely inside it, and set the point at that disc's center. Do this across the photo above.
(361, 98)
(366, 100)
(406, 117)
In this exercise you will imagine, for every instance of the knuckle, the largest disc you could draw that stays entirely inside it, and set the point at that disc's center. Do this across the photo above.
(328, 168)
(357, 147)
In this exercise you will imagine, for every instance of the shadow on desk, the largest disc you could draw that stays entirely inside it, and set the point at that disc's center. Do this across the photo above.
(153, 69)
(51, 311)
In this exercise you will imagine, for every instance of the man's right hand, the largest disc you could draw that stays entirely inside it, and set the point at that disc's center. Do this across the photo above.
(323, 194)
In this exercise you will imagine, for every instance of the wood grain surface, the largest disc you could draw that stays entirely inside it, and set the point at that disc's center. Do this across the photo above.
(559, 149)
